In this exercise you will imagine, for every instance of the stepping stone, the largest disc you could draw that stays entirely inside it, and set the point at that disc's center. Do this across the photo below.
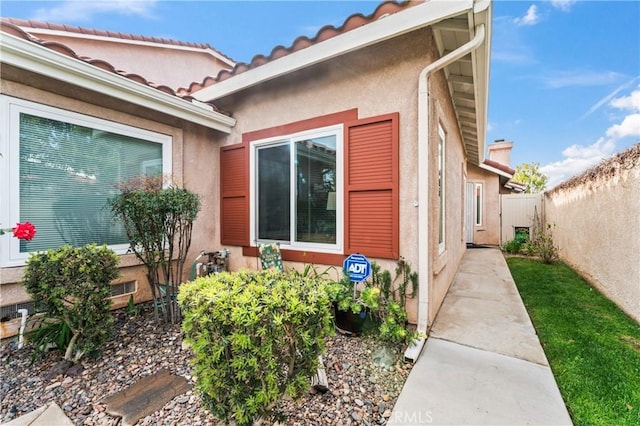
(145, 396)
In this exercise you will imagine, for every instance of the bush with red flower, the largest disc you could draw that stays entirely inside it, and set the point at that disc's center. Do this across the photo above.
(22, 231)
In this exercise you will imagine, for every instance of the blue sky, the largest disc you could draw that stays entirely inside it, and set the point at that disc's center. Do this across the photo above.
(565, 75)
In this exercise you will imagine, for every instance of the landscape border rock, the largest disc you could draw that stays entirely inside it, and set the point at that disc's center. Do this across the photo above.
(361, 393)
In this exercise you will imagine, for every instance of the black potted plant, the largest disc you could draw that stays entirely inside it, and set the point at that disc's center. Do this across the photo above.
(351, 301)
(379, 299)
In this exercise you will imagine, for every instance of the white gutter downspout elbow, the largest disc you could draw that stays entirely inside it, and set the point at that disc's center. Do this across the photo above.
(23, 324)
(413, 351)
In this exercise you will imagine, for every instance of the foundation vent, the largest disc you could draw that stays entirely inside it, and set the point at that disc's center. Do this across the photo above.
(10, 312)
(127, 287)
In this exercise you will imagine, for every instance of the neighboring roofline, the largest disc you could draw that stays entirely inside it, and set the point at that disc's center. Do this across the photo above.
(386, 27)
(495, 170)
(515, 186)
(71, 31)
(31, 56)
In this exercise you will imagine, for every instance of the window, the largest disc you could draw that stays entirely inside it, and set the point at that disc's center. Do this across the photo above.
(62, 169)
(297, 190)
(363, 208)
(478, 202)
(441, 190)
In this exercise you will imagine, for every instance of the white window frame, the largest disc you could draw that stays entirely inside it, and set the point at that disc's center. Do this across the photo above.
(338, 132)
(478, 203)
(10, 110)
(442, 199)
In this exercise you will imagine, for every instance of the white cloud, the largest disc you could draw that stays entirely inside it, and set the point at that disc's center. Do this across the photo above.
(579, 158)
(530, 18)
(580, 78)
(70, 10)
(563, 5)
(507, 45)
(631, 102)
(608, 98)
(630, 126)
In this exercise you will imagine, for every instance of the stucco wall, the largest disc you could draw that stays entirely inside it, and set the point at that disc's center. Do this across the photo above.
(443, 266)
(377, 80)
(596, 227)
(489, 231)
(195, 166)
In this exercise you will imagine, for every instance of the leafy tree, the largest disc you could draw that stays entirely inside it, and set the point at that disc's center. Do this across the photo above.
(158, 222)
(529, 174)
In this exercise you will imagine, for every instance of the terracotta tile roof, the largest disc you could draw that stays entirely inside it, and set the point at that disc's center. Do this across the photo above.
(25, 23)
(499, 166)
(7, 25)
(328, 31)
(12, 26)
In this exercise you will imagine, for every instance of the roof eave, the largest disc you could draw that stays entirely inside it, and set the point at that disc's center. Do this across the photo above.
(495, 170)
(391, 26)
(516, 187)
(481, 71)
(41, 60)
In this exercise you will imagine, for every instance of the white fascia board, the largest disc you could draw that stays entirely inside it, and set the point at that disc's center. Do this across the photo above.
(481, 70)
(67, 34)
(385, 28)
(495, 170)
(515, 186)
(42, 60)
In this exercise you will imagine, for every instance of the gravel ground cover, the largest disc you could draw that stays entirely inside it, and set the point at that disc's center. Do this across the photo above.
(361, 391)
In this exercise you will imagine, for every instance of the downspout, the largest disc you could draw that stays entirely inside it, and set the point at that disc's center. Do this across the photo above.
(413, 351)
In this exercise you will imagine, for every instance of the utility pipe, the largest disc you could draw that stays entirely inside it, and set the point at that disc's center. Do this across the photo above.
(23, 324)
(413, 351)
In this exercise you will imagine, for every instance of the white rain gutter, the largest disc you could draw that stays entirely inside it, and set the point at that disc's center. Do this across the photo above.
(33, 57)
(413, 351)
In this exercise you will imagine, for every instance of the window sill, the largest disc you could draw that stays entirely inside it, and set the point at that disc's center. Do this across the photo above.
(440, 262)
(302, 256)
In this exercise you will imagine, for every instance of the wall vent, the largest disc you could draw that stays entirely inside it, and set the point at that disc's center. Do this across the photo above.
(10, 312)
(127, 287)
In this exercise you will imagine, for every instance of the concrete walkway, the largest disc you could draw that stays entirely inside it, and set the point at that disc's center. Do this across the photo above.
(482, 363)
(48, 415)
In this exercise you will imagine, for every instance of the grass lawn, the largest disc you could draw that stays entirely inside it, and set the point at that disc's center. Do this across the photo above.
(592, 346)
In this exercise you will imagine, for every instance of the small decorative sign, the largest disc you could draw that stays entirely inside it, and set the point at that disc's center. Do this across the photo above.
(270, 256)
(357, 267)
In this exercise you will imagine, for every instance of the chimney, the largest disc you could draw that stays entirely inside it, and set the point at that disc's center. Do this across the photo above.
(500, 152)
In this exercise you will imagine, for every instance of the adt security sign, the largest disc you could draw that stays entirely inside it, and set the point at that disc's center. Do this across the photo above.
(358, 267)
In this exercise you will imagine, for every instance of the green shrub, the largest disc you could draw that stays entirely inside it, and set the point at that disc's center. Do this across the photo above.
(543, 245)
(73, 285)
(383, 298)
(48, 333)
(512, 246)
(255, 336)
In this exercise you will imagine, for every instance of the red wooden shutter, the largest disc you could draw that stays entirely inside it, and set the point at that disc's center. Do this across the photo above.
(234, 199)
(372, 187)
